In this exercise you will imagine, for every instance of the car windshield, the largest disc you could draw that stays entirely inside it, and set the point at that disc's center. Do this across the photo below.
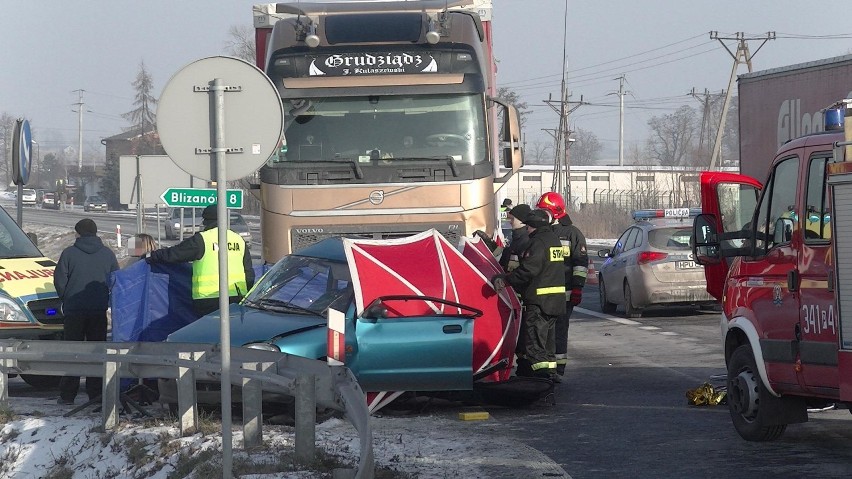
(670, 238)
(397, 130)
(95, 199)
(303, 285)
(29, 192)
(13, 242)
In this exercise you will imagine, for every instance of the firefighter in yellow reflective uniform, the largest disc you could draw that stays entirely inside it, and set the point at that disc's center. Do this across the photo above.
(540, 280)
(202, 250)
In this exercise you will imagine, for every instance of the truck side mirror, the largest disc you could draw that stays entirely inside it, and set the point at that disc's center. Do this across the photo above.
(510, 136)
(705, 240)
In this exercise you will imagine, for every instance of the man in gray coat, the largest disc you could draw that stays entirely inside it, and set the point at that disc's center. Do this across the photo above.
(81, 281)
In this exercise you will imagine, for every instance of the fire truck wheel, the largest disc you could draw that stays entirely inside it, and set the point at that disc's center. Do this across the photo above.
(606, 306)
(745, 391)
(629, 310)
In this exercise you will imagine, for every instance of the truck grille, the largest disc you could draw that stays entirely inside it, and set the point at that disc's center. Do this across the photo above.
(306, 236)
(46, 311)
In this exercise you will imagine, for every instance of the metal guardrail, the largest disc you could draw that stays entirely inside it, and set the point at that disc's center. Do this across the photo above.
(310, 382)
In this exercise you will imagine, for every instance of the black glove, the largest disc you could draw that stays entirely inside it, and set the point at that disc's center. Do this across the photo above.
(490, 243)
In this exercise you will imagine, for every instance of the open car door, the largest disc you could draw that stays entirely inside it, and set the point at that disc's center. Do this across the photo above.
(428, 318)
(728, 203)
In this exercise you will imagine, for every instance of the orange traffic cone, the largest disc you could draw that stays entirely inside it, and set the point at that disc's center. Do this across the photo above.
(591, 274)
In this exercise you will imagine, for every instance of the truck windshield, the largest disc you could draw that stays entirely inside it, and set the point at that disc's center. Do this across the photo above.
(385, 130)
(13, 242)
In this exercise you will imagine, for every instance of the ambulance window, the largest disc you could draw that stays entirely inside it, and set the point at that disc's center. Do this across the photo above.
(818, 211)
(778, 207)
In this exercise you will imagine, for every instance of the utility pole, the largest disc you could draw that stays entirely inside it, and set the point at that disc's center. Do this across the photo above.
(706, 100)
(742, 55)
(79, 130)
(621, 92)
(562, 138)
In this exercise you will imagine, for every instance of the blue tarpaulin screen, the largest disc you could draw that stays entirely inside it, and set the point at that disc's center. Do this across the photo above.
(149, 302)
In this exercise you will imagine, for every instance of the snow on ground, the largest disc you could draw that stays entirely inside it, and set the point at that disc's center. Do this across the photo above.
(38, 442)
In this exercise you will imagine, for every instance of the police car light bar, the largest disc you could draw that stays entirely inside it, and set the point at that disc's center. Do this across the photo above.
(666, 213)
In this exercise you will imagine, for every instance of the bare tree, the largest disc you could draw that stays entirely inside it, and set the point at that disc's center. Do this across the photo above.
(539, 153)
(634, 155)
(671, 140)
(513, 98)
(586, 150)
(241, 43)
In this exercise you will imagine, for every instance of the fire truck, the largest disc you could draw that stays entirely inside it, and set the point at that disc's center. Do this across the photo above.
(391, 127)
(775, 255)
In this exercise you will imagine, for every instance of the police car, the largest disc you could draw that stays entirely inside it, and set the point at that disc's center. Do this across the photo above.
(651, 264)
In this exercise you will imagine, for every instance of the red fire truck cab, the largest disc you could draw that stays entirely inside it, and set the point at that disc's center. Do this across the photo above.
(772, 257)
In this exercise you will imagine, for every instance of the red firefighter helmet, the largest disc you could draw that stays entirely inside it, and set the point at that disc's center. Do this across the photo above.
(552, 202)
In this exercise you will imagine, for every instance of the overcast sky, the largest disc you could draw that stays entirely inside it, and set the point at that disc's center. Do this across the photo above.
(663, 48)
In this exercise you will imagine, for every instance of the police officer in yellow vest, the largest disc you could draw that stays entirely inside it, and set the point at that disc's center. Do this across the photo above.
(202, 250)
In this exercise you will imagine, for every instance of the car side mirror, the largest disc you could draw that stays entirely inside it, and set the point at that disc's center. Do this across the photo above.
(375, 311)
(705, 240)
(604, 253)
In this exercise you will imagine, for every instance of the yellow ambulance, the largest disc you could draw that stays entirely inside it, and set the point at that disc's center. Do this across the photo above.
(29, 306)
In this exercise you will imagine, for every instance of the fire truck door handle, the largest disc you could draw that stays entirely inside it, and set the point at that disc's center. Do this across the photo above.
(793, 280)
(831, 281)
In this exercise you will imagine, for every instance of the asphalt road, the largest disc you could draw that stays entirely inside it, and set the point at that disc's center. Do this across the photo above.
(621, 410)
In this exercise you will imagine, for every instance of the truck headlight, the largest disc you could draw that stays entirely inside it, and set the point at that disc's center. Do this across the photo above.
(10, 311)
(177, 225)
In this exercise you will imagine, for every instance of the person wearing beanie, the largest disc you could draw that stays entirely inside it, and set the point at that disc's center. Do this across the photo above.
(201, 249)
(520, 239)
(540, 280)
(81, 281)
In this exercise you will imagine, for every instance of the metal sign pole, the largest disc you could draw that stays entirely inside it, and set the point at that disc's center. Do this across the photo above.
(219, 148)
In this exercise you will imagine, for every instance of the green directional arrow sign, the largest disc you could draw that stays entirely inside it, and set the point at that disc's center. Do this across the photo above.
(200, 197)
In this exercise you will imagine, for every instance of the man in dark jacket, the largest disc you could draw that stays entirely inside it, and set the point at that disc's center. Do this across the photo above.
(541, 283)
(81, 278)
(520, 240)
(202, 250)
(576, 269)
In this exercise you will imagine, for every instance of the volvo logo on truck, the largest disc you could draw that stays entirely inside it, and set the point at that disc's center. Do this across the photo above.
(309, 231)
(377, 197)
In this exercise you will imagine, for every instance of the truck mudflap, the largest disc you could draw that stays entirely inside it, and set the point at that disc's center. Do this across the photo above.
(844, 362)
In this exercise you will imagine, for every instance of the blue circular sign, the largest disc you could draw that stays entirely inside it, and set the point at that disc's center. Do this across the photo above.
(22, 152)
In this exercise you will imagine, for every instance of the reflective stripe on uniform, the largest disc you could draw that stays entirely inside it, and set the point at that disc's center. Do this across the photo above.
(580, 271)
(551, 290)
(543, 365)
(561, 359)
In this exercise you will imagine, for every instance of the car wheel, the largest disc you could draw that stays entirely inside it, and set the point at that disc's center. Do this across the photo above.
(606, 306)
(745, 391)
(41, 382)
(630, 311)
